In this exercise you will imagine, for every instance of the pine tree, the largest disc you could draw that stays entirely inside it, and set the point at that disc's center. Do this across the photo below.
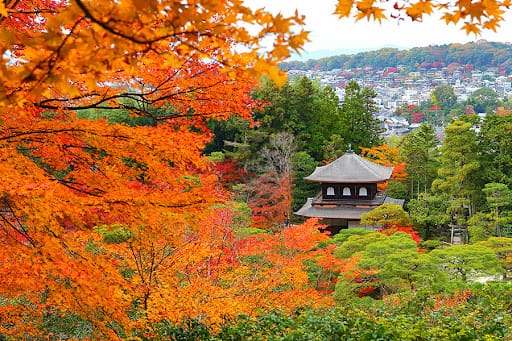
(458, 170)
(359, 127)
(419, 150)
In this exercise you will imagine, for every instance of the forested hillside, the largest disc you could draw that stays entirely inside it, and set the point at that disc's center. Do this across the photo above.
(480, 54)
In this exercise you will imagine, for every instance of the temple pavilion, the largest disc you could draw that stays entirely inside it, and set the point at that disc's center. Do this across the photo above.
(348, 189)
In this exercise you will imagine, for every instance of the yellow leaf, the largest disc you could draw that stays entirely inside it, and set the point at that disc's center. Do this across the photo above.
(297, 41)
(366, 9)
(144, 5)
(3, 10)
(451, 18)
(378, 14)
(371, 13)
(491, 25)
(365, 6)
(344, 8)
(280, 52)
(416, 10)
(476, 10)
(471, 28)
(280, 23)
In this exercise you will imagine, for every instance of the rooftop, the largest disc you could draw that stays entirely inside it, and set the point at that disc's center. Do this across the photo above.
(351, 168)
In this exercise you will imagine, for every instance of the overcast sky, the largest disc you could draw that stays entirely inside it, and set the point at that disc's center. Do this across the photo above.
(327, 32)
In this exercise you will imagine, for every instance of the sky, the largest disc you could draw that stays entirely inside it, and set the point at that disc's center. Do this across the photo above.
(328, 34)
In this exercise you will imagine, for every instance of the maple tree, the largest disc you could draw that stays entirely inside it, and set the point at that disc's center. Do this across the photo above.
(278, 272)
(116, 221)
(387, 156)
(406, 229)
(390, 157)
(270, 201)
(99, 219)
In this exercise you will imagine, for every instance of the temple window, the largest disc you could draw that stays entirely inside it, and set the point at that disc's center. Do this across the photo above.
(363, 192)
(346, 192)
(330, 191)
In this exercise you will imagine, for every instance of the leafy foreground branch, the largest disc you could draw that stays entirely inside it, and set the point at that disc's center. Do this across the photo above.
(463, 315)
(477, 312)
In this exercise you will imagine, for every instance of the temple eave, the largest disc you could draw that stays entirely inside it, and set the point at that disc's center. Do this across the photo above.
(337, 211)
(331, 211)
(344, 181)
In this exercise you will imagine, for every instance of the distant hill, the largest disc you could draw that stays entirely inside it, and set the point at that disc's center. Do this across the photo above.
(478, 55)
(319, 54)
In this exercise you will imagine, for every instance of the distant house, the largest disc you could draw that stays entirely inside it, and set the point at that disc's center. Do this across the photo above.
(348, 189)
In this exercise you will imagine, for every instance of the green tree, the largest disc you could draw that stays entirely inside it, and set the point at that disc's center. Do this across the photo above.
(483, 100)
(480, 227)
(334, 148)
(386, 215)
(502, 247)
(444, 96)
(303, 165)
(359, 127)
(344, 234)
(466, 262)
(229, 136)
(458, 171)
(420, 153)
(495, 147)
(357, 243)
(429, 213)
(385, 265)
(400, 266)
(301, 107)
(499, 198)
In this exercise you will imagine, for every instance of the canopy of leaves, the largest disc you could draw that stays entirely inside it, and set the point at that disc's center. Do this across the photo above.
(359, 127)
(483, 100)
(495, 146)
(458, 176)
(386, 215)
(466, 262)
(420, 153)
(473, 17)
(103, 107)
(301, 107)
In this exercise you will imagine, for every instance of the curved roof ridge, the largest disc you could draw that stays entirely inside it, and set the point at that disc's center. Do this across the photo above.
(372, 166)
(351, 168)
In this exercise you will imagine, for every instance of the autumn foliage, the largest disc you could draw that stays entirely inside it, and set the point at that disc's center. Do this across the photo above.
(386, 155)
(473, 17)
(107, 204)
(407, 229)
(109, 212)
(271, 201)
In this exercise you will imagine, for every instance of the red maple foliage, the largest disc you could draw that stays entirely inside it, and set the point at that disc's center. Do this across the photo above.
(407, 229)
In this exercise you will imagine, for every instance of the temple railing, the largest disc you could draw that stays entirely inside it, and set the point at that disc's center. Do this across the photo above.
(377, 200)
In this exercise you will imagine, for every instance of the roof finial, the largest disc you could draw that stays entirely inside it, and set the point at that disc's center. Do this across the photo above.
(349, 150)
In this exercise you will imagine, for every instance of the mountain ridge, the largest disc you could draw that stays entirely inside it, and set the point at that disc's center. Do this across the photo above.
(480, 55)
